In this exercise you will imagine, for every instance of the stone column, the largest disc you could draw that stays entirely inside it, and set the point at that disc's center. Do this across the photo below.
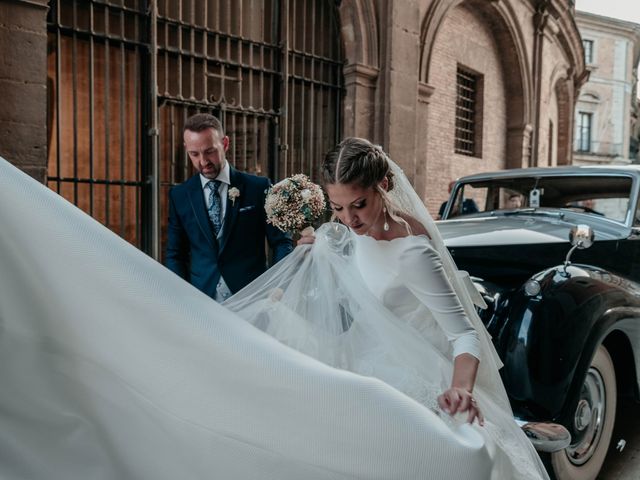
(400, 69)
(425, 91)
(23, 85)
(519, 145)
(359, 101)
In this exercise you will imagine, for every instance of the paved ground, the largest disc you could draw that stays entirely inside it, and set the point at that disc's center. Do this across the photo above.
(624, 465)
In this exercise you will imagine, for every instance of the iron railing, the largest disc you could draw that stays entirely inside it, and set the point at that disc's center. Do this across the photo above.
(125, 75)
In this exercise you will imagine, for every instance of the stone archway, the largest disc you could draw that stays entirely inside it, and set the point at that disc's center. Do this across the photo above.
(504, 24)
(359, 27)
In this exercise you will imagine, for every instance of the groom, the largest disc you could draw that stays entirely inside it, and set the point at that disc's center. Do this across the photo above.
(217, 226)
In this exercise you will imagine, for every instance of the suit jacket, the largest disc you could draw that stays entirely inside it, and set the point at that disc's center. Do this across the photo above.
(193, 251)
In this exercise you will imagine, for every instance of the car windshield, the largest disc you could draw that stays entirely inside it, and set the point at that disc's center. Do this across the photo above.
(606, 196)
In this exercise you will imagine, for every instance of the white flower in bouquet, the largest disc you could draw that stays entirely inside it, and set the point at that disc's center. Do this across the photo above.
(294, 203)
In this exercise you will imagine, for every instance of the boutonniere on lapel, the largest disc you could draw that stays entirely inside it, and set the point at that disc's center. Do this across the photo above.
(233, 194)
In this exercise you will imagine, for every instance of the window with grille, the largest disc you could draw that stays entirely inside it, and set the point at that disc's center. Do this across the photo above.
(270, 70)
(468, 113)
(587, 45)
(583, 135)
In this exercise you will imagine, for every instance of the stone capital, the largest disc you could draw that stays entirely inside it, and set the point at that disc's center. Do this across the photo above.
(360, 74)
(424, 92)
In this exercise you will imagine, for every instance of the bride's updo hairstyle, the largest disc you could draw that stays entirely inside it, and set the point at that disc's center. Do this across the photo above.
(358, 161)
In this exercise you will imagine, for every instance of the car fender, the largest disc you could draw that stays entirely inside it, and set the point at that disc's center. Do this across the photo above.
(547, 340)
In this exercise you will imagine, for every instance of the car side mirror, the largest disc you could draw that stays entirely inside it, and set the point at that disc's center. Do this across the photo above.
(581, 237)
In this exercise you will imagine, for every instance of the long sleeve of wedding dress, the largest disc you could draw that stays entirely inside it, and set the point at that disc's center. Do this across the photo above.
(406, 274)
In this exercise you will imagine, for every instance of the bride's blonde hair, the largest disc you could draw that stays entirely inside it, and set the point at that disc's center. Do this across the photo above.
(358, 161)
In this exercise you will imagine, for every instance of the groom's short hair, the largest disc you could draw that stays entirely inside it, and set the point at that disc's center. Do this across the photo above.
(202, 121)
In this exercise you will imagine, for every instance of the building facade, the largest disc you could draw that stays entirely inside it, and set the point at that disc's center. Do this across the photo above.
(447, 87)
(607, 108)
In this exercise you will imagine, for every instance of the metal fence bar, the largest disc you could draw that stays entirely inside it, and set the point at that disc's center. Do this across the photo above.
(179, 41)
(123, 79)
(92, 107)
(107, 130)
(284, 123)
(153, 133)
(86, 34)
(58, 74)
(74, 82)
(94, 181)
(312, 94)
(138, 139)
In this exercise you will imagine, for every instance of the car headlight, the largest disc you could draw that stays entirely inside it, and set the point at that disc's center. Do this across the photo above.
(532, 288)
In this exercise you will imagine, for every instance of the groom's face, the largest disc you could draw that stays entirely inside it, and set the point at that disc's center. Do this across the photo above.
(206, 151)
(357, 207)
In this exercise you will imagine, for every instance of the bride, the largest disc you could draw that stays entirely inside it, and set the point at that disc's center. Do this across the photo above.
(383, 298)
(112, 367)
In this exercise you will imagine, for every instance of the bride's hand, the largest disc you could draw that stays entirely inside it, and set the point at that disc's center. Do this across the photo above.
(459, 400)
(307, 236)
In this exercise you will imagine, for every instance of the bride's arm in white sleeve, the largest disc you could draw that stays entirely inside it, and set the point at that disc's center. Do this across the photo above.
(425, 277)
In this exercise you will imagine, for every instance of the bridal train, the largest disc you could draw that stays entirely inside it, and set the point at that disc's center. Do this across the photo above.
(112, 367)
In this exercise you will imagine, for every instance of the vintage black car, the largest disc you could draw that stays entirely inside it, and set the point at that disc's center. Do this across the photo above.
(567, 329)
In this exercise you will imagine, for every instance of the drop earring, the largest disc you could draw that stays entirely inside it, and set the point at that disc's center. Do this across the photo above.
(385, 225)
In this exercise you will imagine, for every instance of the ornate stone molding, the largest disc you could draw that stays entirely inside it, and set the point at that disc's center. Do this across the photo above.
(359, 27)
(425, 91)
(359, 74)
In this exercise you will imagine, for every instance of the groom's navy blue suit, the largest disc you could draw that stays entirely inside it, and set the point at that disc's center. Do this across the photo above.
(194, 252)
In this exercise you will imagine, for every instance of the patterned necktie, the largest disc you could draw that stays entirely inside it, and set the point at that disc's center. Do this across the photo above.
(215, 205)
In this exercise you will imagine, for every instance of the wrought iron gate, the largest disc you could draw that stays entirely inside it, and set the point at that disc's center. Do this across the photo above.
(270, 69)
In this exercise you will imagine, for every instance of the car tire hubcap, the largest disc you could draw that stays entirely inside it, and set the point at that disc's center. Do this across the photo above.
(583, 415)
(588, 419)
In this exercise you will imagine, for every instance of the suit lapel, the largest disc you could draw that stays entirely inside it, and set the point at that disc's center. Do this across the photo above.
(231, 214)
(196, 198)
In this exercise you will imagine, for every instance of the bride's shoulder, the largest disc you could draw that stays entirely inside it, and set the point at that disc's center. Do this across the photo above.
(415, 227)
(417, 242)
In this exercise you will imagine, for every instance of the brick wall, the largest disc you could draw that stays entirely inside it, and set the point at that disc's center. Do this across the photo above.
(463, 39)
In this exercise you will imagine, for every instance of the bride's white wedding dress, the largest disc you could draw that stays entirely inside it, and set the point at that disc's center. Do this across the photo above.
(112, 367)
(386, 309)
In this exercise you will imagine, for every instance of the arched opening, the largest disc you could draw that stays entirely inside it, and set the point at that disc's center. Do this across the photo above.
(483, 39)
(359, 27)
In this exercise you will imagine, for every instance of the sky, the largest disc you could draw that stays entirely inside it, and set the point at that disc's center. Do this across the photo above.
(628, 10)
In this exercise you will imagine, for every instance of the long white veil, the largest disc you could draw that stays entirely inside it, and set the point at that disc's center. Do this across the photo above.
(112, 367)
(316, 301)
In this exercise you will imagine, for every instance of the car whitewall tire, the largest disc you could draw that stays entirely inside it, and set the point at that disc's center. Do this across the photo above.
(593, 420)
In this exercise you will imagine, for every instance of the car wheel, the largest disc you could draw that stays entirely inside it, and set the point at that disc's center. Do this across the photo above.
(593, 423)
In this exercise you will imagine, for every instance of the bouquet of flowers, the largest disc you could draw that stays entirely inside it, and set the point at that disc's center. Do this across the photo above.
(294, 203)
